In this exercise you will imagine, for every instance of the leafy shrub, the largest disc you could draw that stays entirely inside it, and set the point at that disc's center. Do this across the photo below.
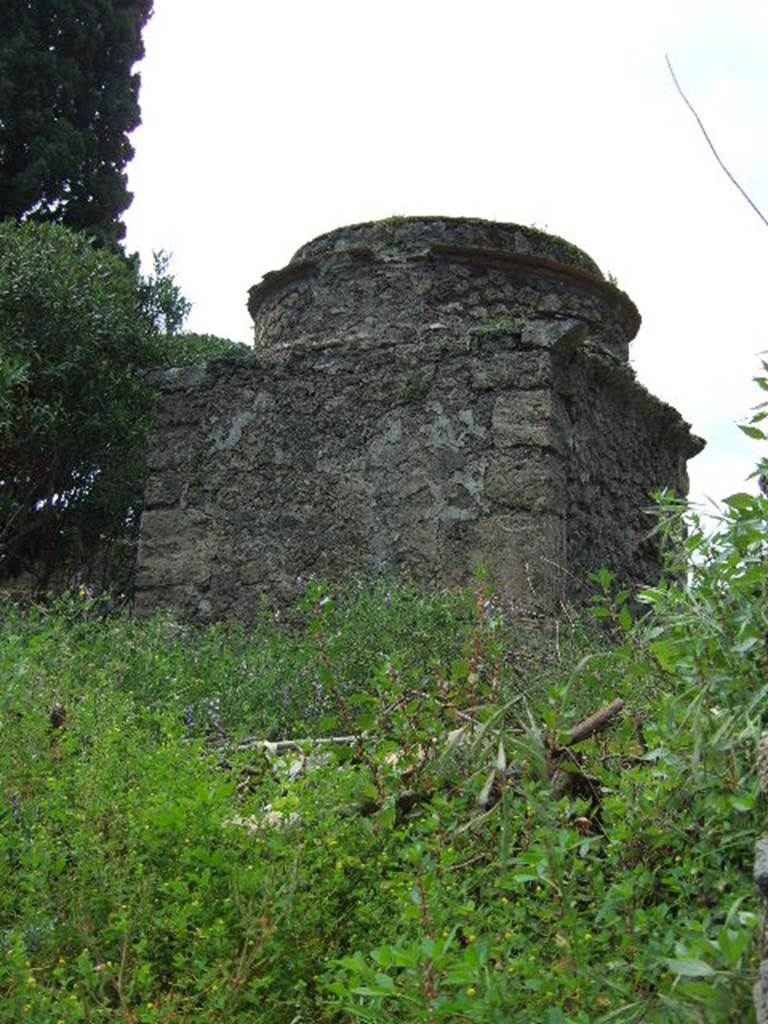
(78, 326)
(73, 340)
(189, 349)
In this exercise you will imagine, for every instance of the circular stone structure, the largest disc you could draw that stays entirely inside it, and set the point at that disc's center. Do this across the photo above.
(407, 278)
(431, 394)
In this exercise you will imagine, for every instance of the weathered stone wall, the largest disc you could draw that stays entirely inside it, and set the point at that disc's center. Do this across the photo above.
(428, 395)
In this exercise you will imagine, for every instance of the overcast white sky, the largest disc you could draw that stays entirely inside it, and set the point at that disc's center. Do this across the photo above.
(267, 123)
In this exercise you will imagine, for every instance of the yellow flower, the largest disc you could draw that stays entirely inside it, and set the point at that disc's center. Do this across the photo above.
(471, 991)
(588, 937)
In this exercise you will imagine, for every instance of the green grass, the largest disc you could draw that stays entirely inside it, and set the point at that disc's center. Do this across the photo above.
(420, 874)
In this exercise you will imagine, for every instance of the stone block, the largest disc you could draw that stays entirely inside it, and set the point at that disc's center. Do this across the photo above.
(525, 418)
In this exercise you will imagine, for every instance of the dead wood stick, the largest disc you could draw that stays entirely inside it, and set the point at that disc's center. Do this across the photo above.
(298, 746)
(286, 746)
(595, 723)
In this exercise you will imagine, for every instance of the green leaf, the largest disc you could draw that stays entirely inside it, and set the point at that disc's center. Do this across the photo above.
(463, 974)
(555, 1017)
(506, 830)
(690, 968)
(406, 956)
(355, 963)
(383, 956)
(741, 501)
(754, 432)
(459, 670)
(367, 1014)
(743, 804)
(665, 651)
(485, 792)
(701, 991)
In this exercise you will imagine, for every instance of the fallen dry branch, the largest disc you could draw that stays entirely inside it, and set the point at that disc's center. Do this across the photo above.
(595, 723)
(299, 746)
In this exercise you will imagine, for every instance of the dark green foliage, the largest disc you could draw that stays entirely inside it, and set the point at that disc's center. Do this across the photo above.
(68, 99)
(73, 404)
(78, 329)
(161, 299)
(189, 349)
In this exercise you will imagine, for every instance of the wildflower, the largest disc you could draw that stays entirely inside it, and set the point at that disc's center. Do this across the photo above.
(471, 991)
(388, 599)
(213, 709)
(15, 804)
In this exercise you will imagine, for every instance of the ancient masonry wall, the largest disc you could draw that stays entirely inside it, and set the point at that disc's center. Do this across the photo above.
(427, 395)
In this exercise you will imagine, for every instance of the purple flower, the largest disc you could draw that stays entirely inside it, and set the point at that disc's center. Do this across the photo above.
(213, 709)
(189, 715)
(15, 805)
(388, 599)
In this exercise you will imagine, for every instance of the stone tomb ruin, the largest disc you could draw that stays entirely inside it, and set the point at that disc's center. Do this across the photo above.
(426, 394)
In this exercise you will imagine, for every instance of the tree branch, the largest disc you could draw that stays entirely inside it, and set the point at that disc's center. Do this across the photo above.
(710, 143)
(595, 723)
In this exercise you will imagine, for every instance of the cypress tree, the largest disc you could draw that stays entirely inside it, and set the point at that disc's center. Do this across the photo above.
(68, 99)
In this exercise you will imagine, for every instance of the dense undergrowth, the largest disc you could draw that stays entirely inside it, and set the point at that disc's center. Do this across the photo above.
(462, 860)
